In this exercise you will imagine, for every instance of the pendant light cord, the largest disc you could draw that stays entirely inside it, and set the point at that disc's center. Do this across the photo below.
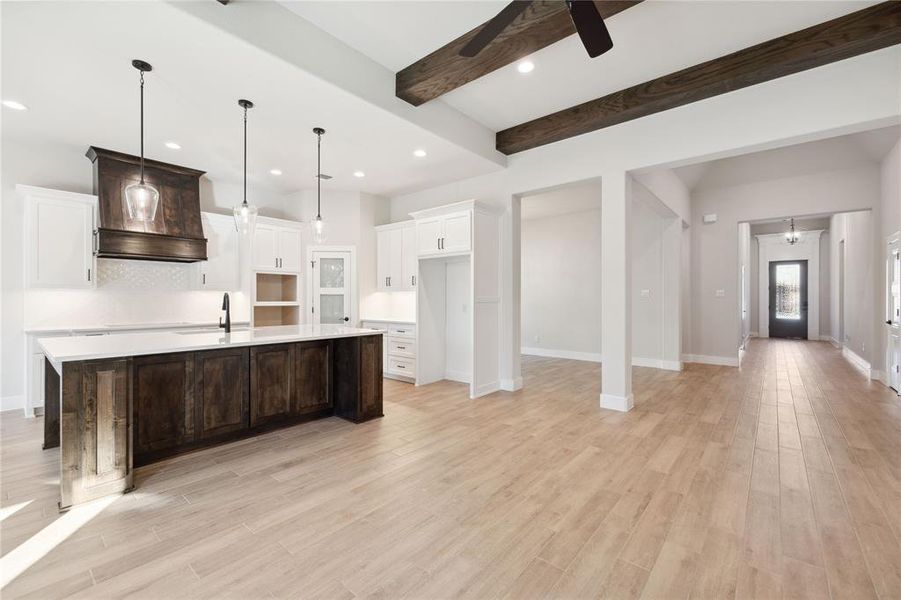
(142, 127)
(319, 176)
(245, 156)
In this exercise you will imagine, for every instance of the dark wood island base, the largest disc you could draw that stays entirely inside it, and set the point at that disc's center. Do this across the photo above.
(111, 415)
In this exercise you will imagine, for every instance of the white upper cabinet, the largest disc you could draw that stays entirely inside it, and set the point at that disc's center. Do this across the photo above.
(276, 247)
(265, 248)
(289, 250)
(59, 238)
(408, 261)
(457, 232)
(396, 256)
(220, 270)
(445, 234)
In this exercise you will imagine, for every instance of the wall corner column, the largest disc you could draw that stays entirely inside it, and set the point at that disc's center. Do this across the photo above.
(616, 291)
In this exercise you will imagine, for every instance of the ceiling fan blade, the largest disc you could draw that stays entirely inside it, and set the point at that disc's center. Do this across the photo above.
(590, 26)
(494, 27)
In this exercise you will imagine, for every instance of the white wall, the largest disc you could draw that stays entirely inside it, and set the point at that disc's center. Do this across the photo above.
(561, 284)
(64, 167)
(890, 183)
(861, 273)
(715, 246)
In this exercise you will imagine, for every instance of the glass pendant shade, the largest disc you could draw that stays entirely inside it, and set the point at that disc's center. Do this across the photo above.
(142, 200)
(245, 218)
(319, 230)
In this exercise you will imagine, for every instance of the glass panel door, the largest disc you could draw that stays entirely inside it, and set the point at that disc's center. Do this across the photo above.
(788, 299)
(331, 288)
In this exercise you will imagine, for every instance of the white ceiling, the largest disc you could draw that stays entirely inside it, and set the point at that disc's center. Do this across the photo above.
(562, 201)
(842, 152)
(69, 62)
(652, 39)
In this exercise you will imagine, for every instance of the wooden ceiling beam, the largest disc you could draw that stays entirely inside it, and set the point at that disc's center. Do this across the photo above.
(540, 25)
(866, 30)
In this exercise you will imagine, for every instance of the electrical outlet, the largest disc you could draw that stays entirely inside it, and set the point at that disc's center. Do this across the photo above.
(721, 293)
(645, 293)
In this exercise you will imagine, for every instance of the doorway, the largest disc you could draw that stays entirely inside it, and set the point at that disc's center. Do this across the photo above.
(788, 299)
(331, 287)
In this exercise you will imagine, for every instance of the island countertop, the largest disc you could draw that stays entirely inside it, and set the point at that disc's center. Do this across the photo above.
(76, 348)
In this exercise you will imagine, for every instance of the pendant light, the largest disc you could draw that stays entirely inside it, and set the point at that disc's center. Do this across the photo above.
(245, 214)
(142, 199)
(792, 236)
(318, 224)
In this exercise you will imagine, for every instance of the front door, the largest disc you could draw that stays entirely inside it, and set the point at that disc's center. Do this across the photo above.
(788, 299)
(331, 288)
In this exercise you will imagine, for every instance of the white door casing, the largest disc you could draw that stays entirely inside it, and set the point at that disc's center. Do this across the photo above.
(773, 247)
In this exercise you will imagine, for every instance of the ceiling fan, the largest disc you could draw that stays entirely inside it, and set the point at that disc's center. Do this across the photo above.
(584, 14)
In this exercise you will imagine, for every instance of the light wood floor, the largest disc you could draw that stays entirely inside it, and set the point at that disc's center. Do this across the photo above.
(782, 479)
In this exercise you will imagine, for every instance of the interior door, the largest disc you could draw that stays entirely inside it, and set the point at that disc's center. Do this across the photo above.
(331, 288)
(893, 316)
(788, 299)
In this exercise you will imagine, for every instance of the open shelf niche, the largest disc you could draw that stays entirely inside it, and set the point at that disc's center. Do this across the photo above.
(276, 299)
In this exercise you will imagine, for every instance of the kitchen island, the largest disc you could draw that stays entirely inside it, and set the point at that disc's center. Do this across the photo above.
(114, 403)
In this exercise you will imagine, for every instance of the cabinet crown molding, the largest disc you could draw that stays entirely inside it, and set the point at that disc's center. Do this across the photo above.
(474, 205)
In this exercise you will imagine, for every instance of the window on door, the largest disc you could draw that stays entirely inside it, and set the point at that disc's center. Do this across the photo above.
(331, 288)
(788, 291)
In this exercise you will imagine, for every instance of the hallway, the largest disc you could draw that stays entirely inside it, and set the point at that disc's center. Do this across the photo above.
(781, 479)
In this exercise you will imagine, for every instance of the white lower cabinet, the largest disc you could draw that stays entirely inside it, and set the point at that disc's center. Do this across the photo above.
(398, 348)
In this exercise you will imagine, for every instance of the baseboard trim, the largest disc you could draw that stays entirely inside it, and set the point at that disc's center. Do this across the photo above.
(857, 361)
(656, 363)
(568, 354)
(458, 376)
(721, 361)
(753, 334)
(637, 361)
(485, 389)
(8, 403)
(618, 403)
(511, 385)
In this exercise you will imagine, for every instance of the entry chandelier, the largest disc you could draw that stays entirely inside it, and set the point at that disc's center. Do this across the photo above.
(318, 224)
(141, 199)
(792, 236)
(245, 214)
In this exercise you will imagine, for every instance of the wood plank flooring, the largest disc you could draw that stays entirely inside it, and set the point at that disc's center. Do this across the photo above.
(779, 479)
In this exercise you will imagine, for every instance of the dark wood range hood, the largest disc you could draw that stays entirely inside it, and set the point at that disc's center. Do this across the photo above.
(175, 235)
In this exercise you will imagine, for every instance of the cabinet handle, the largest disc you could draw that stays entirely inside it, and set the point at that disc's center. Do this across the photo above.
(439, 243)
(204, 279)
(276, 263)
(413, 279)
(89, 273)
(401, 347)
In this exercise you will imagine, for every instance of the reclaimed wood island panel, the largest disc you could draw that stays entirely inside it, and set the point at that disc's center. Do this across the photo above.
(120, 402)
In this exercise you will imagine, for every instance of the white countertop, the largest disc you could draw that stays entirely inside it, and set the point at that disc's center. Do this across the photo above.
(128, 327)
(84, 347)
(400, 321)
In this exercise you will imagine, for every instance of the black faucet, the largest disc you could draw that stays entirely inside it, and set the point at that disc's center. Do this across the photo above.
(228, 317)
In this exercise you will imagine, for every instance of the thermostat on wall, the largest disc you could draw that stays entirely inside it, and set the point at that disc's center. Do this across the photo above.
(711, 218)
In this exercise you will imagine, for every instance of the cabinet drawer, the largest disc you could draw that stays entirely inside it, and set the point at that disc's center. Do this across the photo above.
(402, 366)
(401, 347)
(396, 329)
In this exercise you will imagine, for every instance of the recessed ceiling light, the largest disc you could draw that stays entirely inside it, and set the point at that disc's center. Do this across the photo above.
(173, 146)
(525, 66)
(359, 174)
(276, 171)
(420, 153)
(14, 105)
